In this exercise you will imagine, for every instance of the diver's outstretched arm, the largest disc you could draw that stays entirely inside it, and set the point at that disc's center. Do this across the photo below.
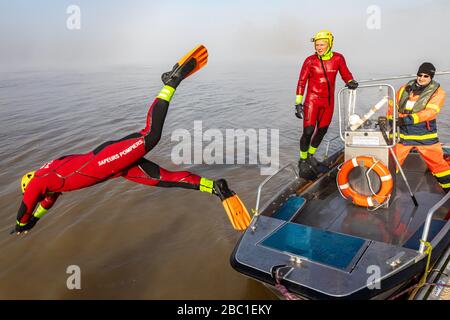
(26, 218)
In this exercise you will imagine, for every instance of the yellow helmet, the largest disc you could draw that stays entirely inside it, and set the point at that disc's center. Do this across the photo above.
(324, 34)
(26, 180)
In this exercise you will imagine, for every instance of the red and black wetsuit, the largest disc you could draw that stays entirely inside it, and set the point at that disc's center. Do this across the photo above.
(121, 158)
(319, 102)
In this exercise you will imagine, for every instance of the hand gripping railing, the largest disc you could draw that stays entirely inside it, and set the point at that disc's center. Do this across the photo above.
(258, 197)
(426, 227)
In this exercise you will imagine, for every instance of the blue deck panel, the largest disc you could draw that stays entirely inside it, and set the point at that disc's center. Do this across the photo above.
(321, 246)
(290, 208)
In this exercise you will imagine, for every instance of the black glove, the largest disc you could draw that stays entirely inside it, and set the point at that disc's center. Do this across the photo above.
(30, 224)
(299, 111)
(352, 85)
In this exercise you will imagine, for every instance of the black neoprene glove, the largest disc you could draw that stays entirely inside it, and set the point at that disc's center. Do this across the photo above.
(299, 111)
(352, 85)
(30, 224)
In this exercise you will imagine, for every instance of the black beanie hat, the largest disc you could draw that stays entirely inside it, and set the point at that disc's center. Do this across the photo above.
(427, 68)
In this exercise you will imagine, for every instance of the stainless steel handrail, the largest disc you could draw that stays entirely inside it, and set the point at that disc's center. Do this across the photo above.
(258, 197)
(404, 76)
(352, 100)
(328, 141)
(426, 227)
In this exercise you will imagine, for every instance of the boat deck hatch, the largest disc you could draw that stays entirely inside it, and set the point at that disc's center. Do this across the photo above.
(290, 208)
(329, 248)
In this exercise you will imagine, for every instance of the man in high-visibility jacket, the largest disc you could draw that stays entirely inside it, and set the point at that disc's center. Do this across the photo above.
(419, 102)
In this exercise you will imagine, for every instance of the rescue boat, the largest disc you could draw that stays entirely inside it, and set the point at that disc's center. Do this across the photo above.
(366, 228)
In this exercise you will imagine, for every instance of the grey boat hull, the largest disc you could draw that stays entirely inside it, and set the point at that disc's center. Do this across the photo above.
(327, 248)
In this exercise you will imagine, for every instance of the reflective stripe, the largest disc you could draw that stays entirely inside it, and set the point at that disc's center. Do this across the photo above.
(442, 174)
(166, 93)
(355, 162)
(423, 137)
(433, 106)
(415, 118)
(312, 150)
(386, 178)
(390, 117)
(40, 211)
(344, 186)
(445, 185)
(20, 224)
(303, 155)
(392, 135)
(369, 201)
(298, 99)
(206, 185)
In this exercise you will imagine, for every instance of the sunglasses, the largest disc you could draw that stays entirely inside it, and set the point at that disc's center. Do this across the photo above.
(423, 76)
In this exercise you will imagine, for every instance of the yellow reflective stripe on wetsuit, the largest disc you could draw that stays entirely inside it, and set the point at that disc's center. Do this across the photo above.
(298, 99)
(206, 185)
(40, 212)
(166, 93)
(312, 150)
(20, 224)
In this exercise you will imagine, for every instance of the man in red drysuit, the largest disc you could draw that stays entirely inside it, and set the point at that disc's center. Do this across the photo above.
(319, 71)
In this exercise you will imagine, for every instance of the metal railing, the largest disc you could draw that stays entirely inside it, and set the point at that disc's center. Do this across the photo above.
(430, 214)
(404, 76)
(328, 142)
(258, 197)
(352, 109)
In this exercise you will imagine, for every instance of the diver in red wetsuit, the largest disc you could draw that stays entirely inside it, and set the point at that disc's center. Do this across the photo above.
(319, 71)
(125, 158)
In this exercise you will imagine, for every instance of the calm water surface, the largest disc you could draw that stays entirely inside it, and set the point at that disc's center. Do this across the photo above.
(133, 241)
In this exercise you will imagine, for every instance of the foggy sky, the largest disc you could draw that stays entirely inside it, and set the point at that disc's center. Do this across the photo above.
(34, 33)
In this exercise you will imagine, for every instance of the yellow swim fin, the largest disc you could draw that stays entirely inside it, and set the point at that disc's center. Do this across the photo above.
(235, 209)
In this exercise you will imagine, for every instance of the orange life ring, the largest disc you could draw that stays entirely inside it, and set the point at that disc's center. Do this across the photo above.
(348, 192)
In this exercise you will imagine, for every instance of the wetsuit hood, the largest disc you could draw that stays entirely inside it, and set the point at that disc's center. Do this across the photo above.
(326, 56)
(328, 36)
